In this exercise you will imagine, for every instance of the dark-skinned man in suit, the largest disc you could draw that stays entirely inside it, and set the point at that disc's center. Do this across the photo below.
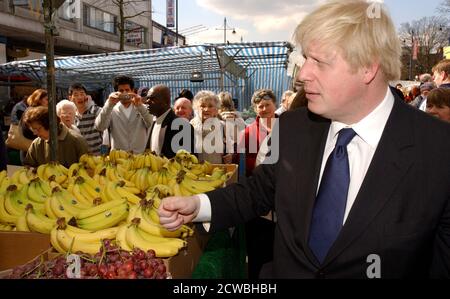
(167, 125)
(361, 187)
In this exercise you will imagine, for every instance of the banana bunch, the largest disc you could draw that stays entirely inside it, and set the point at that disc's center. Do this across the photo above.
(187, 183)
(150, 160)
(16, 200)
(162, 177)
(148, 225)
(63, 204)
(53, 171)
(140, 178)
(114, 191)
(110, 172)
(37, 222)
(131, 236)
(118, 156)
(85, 189)
(23, 176)
(39, 190)
(91, 161)
(103, 216)
(5, 217)
(66, 238)
(185, 157)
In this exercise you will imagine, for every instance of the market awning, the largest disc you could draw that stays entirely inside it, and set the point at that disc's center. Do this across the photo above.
(231, 67)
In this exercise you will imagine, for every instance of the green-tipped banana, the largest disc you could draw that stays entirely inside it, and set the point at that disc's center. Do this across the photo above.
(38, 222)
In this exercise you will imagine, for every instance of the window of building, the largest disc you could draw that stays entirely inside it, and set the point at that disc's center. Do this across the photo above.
(96, 18)
(135, 33)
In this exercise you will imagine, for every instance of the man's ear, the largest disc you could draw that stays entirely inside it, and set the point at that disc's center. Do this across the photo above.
(370, 72)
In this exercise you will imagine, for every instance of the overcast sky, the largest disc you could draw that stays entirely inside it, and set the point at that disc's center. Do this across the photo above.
(265, 20)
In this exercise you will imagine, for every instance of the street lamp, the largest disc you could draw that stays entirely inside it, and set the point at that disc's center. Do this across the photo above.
(225, 28)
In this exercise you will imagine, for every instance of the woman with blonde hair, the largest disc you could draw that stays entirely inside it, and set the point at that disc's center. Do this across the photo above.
(208, 129)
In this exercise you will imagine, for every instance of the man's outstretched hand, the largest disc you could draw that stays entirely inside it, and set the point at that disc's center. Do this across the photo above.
(176, 211)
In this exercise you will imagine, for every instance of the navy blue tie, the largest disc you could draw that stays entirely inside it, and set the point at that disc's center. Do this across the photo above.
(329, 207)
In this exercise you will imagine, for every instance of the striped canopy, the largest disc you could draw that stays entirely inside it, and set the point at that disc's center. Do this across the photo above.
(238, 68)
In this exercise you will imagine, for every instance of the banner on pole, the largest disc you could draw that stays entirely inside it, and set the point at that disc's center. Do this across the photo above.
(170, 16)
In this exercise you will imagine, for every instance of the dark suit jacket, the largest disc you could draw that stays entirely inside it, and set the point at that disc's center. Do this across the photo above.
(166, 149)
(401, 213)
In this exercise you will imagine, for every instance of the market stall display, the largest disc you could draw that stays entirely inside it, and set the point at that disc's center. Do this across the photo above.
(106, 197)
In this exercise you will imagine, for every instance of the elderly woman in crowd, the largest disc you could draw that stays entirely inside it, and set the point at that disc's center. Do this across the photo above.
(70, 146)
(66, 111)
(208, 129)
(438, 103)
(38, 98)
(257, 133)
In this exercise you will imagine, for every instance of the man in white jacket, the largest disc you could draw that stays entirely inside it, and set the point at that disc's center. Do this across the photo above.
(126, 117)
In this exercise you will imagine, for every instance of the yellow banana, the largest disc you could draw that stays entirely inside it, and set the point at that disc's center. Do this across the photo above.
(121, 238)
(129, 196)
(88, 236)
(76, 191)
(152, 228)
(132, 213)
(38, 222)
(135, 240)
(21, 223)
(100, 208)
(41, 171)
(35, 191)
(109, 218)
(15, 199)
(195, 188)
(176, 242)
(71, 244)
(54, 240)
(58, 209)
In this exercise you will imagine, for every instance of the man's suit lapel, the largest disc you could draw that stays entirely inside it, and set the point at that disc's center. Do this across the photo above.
(391, 161)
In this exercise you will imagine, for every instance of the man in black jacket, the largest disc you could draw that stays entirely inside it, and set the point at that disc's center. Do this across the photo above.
(169, 133)
(345, 188)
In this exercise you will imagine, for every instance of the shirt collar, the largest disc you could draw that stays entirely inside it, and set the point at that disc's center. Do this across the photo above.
(371, 127)
(161, 118)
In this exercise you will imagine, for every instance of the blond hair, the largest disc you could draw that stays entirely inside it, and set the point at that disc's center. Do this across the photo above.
(362, 31)
(205, 96)
(226, 101)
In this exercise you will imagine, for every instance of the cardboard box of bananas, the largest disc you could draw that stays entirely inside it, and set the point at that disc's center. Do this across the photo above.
(105, 197)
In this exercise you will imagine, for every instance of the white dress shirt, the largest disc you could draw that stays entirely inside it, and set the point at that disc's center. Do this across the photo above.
(158, 133)
(362, 147)
(360, 152)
